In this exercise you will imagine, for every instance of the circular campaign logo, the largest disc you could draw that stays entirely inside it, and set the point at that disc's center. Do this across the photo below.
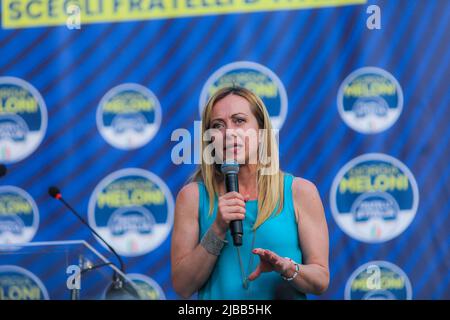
(148, 288)
(128, 116)
(378, 280)
(374, 198)
(17, 283)
(19, 216)
(370, 100)
(23, 119)
(257, 78)
(132, 209)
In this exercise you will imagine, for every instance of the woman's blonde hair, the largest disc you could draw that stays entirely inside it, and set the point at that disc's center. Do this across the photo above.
(270, 179)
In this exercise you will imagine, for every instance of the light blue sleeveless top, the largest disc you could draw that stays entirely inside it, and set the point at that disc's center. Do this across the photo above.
(279, 234)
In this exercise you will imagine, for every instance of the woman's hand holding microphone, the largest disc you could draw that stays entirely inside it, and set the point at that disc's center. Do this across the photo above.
(231, 206)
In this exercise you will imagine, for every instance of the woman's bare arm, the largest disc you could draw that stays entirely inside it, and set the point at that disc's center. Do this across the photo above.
(191, 263)
(313, 234)
(313, 276)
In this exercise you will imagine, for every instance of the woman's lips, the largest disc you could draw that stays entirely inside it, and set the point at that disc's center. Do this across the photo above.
(236, 146)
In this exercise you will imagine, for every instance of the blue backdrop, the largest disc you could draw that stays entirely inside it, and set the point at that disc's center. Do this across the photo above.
(311, 51)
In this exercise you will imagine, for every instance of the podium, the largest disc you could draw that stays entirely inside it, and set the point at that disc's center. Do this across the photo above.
(61, 270)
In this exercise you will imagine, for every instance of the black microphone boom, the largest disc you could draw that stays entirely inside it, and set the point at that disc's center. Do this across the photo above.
(55, 193)
(231, 170)
(119, 289)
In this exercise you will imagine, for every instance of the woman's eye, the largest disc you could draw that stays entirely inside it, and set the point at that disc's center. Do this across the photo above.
(238, 120)
(217, 125)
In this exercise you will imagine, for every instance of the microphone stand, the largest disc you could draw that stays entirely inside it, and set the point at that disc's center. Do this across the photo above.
(119, 289)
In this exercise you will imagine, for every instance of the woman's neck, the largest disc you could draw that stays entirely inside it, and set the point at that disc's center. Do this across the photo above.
(247, 177)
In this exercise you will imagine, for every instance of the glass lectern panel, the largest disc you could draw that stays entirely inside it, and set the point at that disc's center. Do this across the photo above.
(60, 270)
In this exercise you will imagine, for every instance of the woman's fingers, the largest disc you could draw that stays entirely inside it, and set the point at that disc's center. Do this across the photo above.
(232, 195)
(235, 202)
(273, 258)
(259, 251)
(235, 216)
(235, 209)
(267, 255)
(233, 213)
(255, 274)
(269, 258)
(231, 207)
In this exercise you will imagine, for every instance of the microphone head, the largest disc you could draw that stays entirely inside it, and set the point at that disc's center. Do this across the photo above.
(230, 167)
(3, 170)
(54, 192)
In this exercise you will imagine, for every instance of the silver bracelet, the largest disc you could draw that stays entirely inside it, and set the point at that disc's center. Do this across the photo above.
(297, 269)
(212, 243)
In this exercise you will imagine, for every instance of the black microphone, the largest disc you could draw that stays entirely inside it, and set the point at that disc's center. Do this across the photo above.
(3, 170)
(119, 289)
(231, 170)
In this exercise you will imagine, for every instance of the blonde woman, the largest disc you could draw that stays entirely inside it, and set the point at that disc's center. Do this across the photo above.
(285, 241)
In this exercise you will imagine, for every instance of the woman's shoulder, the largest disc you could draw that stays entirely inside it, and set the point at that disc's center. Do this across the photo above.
(300, 184)
(306, 195)
(303, 189)
(188, 193)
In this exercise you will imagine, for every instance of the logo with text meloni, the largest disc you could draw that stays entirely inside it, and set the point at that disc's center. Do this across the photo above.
(378, 280)
(17, 283)
(255, 77)
(374, 198)
(23, 119)
(128, 116)
(132, 209)
(19, 216)
(148, 288)
(370, 100)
